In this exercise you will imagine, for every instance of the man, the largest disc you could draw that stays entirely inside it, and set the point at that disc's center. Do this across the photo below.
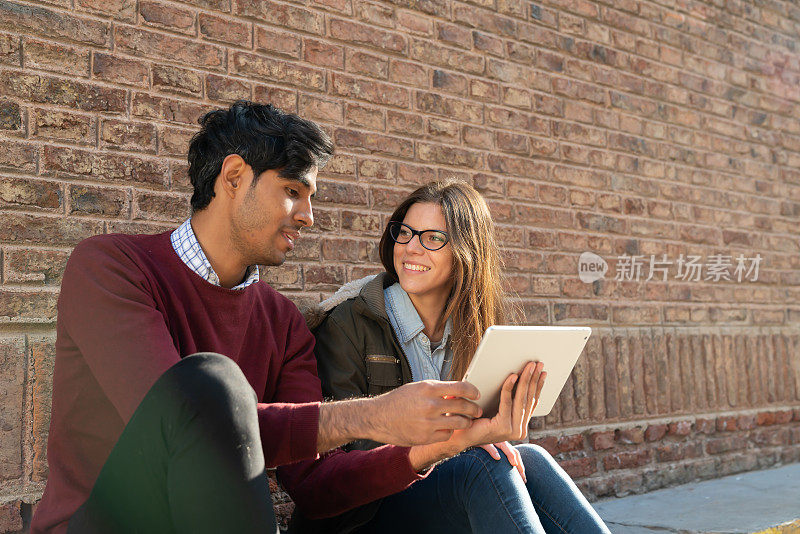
(179, 376)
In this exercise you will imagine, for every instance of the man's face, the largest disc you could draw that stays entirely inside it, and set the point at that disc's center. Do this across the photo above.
(268, 218)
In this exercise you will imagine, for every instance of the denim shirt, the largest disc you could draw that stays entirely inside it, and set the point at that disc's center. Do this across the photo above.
(425, 364)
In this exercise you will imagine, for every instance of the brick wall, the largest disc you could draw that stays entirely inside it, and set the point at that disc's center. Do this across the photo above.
(617, 127)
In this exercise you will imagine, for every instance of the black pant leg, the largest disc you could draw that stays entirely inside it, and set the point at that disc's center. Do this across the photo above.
(188, 461)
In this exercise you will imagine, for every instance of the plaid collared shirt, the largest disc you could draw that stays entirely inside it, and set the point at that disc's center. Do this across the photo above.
(189, 251)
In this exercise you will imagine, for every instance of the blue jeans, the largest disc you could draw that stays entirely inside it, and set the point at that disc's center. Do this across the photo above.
(473, 492)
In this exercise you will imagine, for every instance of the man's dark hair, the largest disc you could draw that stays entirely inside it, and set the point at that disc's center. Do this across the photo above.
(265, 137)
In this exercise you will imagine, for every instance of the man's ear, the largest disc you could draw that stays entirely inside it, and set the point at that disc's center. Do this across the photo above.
(233, 175)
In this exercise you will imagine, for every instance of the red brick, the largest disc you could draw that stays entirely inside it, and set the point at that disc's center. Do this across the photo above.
(705, 426)
(28, 306)
(76, 95)
(226, 89)
(11, 516)
(483, 90)
(572, 442)
(726, 444)
(354, 32)
(365, 116)
(335, 249)
(120, 70)
(104, 201)
(156, 45)
(655, 432)
(381, 144)
(48, 23)
(34, 265)
(165, 16)
(276, 70)
(319, 109)
(323, 54)
(174, 141)
(30, 193)
(41, 359)
(10, 50)
(549, 443)
(765, 418)
(70, 127)
(177, 80)
(375, 92)
(630, 435)
(124, 10)
(58, 231)
(161, 207)
(73, 162)
(366, 64)
(672, 452)
(579, 467)
(601, 440)
(432, 53)
(361, 222)
(448, 155)
(408, 73)
(56, 58)
(283, 99)
(323, 277)
(281, 43)
(490, 44)
(341, 193)
(371, 170)
(18, 156)
(627, 460)
(139, 136)
(282, 15)
(225, 29)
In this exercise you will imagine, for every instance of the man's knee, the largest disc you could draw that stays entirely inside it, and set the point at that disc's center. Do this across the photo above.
(209, 381)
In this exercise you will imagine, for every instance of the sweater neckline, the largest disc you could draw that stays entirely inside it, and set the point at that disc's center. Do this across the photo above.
(199, 280)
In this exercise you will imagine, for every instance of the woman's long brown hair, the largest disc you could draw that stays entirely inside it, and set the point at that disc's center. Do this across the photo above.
(477, 299)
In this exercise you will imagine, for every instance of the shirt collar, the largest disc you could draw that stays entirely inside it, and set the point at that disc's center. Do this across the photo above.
(188, 248)
(409, 323)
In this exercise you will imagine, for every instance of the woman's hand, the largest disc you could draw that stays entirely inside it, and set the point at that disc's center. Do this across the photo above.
(513, 455)
(511, 421)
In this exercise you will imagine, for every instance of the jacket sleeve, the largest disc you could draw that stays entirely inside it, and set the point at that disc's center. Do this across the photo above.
(342, 480)
(107, 309)
(340, 362)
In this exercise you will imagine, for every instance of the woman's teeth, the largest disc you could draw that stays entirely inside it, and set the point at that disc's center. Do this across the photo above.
(413, 267)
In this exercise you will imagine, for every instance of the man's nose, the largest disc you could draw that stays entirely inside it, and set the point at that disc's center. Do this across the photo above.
(305, 214)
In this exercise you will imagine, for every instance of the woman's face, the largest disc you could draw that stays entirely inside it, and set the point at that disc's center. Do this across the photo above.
(422, 272)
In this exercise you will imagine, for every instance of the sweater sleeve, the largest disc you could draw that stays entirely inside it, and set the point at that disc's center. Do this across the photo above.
(290, 423)
(339, 481)
(107, 310)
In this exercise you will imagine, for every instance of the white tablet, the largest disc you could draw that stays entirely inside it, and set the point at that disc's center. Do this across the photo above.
(506, 349)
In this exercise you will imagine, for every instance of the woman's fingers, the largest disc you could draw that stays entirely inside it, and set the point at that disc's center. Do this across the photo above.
(492, 450)
(521, 398)
(506, 404)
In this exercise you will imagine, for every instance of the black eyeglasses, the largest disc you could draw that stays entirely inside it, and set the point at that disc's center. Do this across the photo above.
(430, 239)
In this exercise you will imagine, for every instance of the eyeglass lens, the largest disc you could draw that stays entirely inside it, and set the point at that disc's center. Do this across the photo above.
(430, 239)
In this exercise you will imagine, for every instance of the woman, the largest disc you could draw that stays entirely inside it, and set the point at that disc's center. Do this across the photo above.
(423, 319)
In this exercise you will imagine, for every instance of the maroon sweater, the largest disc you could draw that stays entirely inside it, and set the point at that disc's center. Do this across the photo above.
(129, 309)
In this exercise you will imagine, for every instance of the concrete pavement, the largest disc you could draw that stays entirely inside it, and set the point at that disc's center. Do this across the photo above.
(763, 502)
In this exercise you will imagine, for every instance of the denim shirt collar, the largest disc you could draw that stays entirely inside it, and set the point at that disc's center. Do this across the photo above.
(409, 324)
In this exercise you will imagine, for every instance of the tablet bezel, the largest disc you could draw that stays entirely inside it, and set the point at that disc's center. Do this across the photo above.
(503, 351)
